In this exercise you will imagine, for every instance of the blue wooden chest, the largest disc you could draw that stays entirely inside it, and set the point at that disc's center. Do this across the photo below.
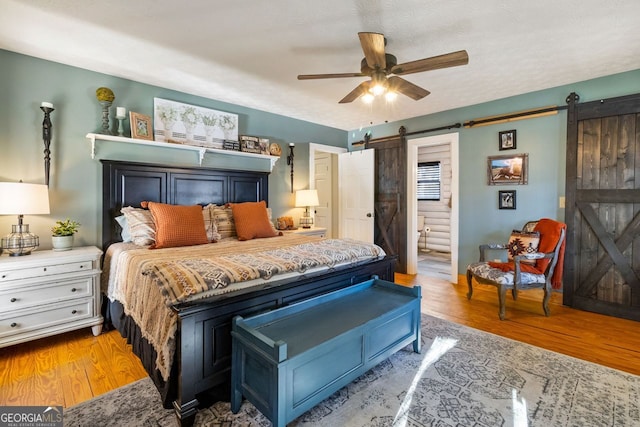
(288, 360)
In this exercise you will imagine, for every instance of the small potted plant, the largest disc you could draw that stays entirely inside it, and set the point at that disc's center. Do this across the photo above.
(63, 231)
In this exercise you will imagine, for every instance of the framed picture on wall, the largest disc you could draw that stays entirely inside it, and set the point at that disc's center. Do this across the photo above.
(507, 199)
(507, 140)
(511, 169)
(141, 127)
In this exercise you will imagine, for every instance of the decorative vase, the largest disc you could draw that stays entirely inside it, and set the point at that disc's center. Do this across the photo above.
(62, 243)
(209, 131)
(189, 128)
(168, 130)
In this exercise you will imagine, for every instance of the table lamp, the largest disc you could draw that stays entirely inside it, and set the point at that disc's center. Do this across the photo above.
(17, 198)
(306, 199)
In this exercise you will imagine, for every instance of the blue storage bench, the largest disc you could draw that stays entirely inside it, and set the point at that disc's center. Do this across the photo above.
(288, 360)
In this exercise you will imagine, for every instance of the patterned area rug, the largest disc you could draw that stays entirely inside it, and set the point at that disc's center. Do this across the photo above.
(464, 377)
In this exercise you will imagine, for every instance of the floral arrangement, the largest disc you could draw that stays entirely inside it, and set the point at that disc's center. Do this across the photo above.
(166, 113)
(209, 120)
(189, 115)
(67, 227)
(105, 94)
(227, 122)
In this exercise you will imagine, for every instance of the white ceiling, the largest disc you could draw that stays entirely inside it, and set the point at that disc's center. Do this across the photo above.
(249, 52)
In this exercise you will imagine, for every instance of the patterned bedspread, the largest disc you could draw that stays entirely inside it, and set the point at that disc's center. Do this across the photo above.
(149, 283)
(181, 279)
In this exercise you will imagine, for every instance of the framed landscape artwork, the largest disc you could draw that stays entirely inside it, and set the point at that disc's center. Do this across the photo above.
(512, 169)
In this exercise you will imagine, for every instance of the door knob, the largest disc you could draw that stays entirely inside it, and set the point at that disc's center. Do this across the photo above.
(369, 215)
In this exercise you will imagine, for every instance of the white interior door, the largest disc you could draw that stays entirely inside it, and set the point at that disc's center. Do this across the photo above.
(356, 189)
(331, 181)
(323, 184)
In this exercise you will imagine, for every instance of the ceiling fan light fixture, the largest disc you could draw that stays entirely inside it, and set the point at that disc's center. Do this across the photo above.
(384, 71)
(390, 96)
(378, 89)
(379, 83)
(367, 98)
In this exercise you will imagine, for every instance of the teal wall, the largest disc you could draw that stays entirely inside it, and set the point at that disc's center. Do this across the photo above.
(544, 139)
(75, 187)
(76, 180)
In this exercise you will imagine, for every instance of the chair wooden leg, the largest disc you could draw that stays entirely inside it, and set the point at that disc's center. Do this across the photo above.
(469, 280)
(502, 291)
(514, 293)
(545, 302)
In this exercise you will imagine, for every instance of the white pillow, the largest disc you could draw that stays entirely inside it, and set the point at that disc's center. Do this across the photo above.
(126, 230)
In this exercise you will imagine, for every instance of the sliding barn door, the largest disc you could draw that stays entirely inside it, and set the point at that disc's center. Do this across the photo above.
(390, 231)
(602, 263)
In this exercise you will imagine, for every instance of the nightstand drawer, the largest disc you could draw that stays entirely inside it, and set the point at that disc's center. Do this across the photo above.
(18, 323)
(28, 296)
(313, 231)
(45, 270)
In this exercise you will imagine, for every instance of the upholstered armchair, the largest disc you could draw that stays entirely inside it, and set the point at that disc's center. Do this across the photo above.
(535, 258)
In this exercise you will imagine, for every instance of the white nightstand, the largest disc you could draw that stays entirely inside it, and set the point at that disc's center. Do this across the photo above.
(49, 292)
(313, 231)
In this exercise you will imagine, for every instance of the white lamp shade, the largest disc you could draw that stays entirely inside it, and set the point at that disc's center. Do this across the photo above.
(18, 198)
(306, 198)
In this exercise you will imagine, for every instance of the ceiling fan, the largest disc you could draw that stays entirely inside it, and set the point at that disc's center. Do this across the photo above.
(383, 69)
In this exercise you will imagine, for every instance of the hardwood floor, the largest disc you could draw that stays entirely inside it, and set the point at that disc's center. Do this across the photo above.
(70, 368)
(589, 336)
(66, 369)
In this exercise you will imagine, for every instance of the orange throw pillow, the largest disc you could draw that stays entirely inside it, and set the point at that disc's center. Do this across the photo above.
(252, 220)
(177, 225)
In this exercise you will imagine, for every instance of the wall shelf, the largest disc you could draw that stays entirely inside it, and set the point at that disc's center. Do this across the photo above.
(93, 137)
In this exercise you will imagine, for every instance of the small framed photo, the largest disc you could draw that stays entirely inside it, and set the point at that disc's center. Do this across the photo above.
(507, 140)
(507, 199)
(510, 169)
(141, 127)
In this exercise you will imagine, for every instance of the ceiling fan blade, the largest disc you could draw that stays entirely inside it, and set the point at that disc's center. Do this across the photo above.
(373, 48)
(360, 90)
(452, 59)
(398, 84)
(329, 76)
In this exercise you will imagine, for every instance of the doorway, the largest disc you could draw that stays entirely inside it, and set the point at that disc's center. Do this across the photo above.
(451, 141)
(323, 176)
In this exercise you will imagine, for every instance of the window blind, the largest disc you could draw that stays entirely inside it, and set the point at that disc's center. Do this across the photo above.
(429, 181)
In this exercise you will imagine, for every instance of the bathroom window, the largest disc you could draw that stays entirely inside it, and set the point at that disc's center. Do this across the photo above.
(429, 174)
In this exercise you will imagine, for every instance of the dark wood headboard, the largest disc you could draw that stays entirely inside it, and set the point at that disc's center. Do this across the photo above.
(128, 184)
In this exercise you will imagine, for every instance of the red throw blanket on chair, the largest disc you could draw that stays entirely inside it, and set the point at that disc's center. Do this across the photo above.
(549, 234)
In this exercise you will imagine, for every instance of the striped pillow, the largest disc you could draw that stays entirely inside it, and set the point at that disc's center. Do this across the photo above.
(178, 225)
(223, 219)
(141, 225)
(209, 223)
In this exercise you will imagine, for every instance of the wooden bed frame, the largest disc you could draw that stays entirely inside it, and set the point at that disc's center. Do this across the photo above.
(201, 370)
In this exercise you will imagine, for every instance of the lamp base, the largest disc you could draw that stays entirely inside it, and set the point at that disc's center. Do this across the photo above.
(20, 242)
(306, 222)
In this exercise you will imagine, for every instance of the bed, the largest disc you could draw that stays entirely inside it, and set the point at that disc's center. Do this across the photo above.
(199, 372)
